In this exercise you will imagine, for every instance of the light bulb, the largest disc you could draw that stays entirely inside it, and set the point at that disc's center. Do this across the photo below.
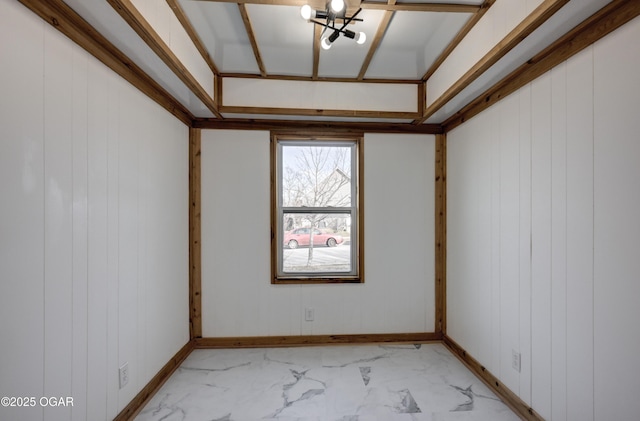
(362, 38)
(305, 12)
(325, 43)
(337, 5)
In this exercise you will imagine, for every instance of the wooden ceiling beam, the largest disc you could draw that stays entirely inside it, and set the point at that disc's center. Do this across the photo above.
(313, 112)
(140, 25)
(322, 79)
(377, 39)
(532, 22)
(188, 27)
(252, 37)
(297, 125)
(459, 37)
(317, 33)
(68, 22)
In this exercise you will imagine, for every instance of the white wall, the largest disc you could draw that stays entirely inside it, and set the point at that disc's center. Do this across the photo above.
(238, 298)
(543, 229)
(93, 226)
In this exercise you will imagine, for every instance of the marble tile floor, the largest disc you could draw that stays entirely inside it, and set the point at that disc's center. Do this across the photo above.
(325, 383)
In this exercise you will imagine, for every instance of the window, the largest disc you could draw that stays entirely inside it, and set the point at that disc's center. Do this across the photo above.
(316, 209)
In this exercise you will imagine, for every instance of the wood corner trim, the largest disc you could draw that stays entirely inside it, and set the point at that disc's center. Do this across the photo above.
(195, 235)
(441, 233)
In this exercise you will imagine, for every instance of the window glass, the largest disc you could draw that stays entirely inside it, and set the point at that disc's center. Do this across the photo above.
(331, 250)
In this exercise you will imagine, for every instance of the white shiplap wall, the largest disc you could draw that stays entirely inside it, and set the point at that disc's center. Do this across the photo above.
(93, 226)
(237, 296)
(543, 229)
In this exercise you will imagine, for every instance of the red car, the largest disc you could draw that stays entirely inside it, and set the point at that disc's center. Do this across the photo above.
(300, 237)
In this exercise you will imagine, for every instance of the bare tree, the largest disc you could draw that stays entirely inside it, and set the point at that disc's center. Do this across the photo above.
(317, 177)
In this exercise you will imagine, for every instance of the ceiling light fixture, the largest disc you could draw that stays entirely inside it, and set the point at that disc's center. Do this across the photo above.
(335, 9)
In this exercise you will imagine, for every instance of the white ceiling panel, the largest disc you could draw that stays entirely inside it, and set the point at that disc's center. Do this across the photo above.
(413, 41)
(222, 32)
(284, 39)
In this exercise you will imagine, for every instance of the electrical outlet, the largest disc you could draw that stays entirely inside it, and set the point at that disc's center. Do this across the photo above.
(308, 314)
(124, 375)
(515, 360)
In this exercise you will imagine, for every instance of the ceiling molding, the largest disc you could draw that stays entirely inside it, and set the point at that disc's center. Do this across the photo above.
(296, 125)
(600, 24)
(188, 27)
(540, 15)
(68, 22)
(312, 112)
(252, 37)
(322, 79)
(421, 7)
(139, 24)
(377, 39)
(459, 37)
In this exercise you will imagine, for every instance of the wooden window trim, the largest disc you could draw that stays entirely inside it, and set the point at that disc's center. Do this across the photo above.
(359, 172)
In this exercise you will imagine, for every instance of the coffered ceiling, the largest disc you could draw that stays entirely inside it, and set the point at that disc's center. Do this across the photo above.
(407, 46)
(251, 60)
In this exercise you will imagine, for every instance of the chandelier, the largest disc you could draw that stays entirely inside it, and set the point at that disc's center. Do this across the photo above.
(335, 10)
